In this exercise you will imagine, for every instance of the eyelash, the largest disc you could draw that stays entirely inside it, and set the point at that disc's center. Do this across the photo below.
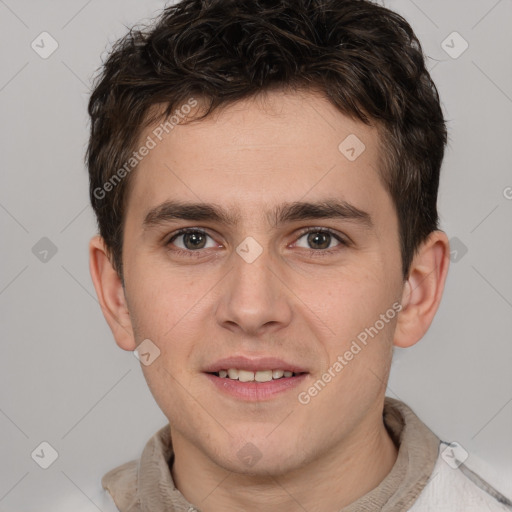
(314, 252)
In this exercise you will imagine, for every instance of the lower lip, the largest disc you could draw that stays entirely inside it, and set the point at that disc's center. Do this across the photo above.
(255, 391)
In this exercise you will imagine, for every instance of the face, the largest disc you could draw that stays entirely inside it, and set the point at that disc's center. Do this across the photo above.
(289, 262)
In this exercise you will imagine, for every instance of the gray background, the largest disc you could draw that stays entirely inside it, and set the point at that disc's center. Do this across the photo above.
(63, 379)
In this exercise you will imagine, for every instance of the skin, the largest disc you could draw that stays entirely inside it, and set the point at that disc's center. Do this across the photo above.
(209, 303)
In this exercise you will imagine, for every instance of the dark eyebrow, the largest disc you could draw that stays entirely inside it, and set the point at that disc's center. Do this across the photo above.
(328, 209)
(176, 210)
(281, 214)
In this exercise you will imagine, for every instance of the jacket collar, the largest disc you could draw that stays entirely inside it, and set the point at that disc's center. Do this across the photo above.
(146, 485)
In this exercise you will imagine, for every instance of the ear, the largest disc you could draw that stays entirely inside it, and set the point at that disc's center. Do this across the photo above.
(423, 289)
(110, 292)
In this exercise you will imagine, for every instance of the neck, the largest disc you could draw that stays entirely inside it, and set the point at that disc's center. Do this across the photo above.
(350, 470)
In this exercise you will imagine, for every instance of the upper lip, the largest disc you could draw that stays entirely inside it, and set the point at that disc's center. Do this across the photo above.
(253, 364)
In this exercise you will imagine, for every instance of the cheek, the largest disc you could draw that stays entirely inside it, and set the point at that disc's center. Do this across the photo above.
(167, 312)
(161, 300)
(170, 310)
(359, 309)
(362, 344)
(354, 299)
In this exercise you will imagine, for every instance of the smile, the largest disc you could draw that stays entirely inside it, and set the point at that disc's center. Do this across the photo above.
(250, 376)
(256, 386)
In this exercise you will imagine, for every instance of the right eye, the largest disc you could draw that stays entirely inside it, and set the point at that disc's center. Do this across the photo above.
(190, 240)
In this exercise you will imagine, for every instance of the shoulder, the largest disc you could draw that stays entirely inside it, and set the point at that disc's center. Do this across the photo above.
(120, 487)
(105, 502)
(455, 487)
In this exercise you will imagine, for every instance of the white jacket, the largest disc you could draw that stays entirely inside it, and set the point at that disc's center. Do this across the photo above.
(458, 490)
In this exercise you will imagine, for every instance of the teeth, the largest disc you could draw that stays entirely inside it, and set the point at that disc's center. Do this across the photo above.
(233, 374)
(244, 376)
(263, 376)
(259, 376)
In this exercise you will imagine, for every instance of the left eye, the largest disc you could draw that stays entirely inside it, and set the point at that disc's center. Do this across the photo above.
(319, 239)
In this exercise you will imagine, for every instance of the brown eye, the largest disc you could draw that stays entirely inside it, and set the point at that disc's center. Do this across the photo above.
(320, 239)
(194, 240)
(190, 240)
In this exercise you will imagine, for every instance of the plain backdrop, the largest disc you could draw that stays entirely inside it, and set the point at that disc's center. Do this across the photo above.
(63, 379)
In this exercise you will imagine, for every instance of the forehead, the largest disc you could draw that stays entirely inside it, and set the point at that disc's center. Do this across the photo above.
(262, 150)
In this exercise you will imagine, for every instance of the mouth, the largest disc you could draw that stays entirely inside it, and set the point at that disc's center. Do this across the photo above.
(254, 379)
(257, 376)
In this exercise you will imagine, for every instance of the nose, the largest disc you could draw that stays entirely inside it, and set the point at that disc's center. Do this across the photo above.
(254, 299)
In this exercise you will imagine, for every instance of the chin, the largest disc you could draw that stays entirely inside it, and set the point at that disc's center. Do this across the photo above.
(260, 456)
(263, 467)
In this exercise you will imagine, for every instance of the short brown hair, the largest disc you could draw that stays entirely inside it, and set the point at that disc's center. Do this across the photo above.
(363, 57)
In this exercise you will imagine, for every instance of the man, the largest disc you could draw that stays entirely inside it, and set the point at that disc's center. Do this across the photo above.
(265, 177)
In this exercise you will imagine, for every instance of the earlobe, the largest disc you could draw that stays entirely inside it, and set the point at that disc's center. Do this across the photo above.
(423, 289)
(110, 292)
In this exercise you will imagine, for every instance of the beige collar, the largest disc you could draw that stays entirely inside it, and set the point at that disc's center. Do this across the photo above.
(146, 485)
